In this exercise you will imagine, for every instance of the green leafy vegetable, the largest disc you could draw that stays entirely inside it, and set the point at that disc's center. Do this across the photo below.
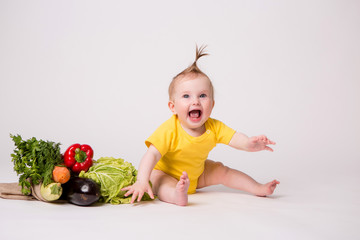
(112, 175)
(34, 161)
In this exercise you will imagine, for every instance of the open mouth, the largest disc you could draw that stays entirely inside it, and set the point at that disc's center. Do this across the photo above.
(195, 115)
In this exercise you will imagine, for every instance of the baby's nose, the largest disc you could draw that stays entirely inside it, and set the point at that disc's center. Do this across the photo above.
(195, 101)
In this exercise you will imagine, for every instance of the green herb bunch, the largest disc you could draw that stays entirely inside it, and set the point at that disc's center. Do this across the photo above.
(34, 160)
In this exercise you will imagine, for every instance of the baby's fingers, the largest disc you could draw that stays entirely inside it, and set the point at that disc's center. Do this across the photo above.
(264, 139)
(129, 191)
(151, 194)
(141, 194)
(269, 149)
(126, 188)
(133, 198)
(270, 142)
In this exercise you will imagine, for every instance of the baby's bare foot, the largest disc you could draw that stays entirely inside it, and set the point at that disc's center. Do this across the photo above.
(181, 196)
(267, 189)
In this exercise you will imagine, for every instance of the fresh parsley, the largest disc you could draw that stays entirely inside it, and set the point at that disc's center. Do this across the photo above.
(34, 160)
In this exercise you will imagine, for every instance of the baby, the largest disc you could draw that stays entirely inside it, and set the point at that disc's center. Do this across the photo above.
(176, 160)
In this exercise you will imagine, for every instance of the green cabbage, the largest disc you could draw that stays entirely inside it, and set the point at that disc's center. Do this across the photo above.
(112, 174)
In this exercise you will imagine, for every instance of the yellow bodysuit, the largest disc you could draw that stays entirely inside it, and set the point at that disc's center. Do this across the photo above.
(183, 152)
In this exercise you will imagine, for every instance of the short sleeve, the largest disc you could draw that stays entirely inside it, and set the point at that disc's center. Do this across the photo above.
(222, 132)
(162, 137)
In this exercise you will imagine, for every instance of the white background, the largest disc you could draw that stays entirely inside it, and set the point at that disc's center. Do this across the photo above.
(97, 72)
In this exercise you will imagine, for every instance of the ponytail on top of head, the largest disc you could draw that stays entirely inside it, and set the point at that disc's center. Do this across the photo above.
(192, 69)
(199, 53)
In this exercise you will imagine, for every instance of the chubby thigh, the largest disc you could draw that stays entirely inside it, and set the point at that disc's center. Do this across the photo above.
(214, 173)
(159, 179)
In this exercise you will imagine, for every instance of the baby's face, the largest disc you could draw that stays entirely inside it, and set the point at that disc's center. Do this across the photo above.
(193, 102)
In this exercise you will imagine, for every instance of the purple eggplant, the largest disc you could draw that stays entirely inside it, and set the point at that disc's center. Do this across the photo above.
(82, 191)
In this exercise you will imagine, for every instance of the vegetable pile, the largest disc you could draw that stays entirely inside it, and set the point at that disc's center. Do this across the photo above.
(75, 177)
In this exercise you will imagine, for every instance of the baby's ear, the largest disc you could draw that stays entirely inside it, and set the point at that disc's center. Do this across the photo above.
(171, 105)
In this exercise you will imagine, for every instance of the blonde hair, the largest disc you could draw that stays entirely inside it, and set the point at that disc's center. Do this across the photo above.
(194, 70)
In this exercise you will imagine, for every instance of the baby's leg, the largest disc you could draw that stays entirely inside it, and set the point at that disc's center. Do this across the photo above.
(216, 173)
(169, 189)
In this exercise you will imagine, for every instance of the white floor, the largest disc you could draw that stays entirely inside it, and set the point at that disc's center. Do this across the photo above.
(97, 73)
(296, 211)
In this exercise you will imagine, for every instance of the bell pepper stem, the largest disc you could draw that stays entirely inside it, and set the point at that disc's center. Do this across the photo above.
(80, 156)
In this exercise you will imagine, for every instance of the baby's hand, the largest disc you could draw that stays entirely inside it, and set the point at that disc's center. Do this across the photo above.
(259, 143)
(137, 190)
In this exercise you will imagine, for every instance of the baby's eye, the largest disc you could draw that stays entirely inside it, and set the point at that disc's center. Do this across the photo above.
(203, 95)
(186, 96)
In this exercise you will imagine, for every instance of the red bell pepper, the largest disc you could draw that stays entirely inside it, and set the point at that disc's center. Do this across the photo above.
(79, 157)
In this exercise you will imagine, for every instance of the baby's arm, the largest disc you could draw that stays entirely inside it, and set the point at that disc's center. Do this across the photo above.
(148, 162)
(250, 144)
